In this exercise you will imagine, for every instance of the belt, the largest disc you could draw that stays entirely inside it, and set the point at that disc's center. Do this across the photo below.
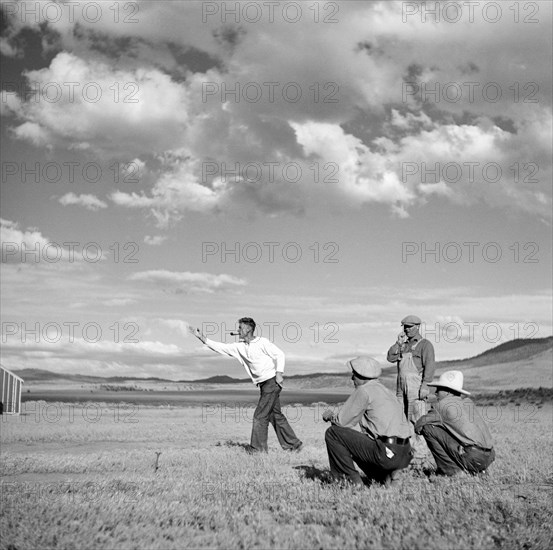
(394, 440)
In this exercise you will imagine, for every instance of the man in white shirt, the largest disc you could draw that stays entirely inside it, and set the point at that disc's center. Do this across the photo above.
(264, 362)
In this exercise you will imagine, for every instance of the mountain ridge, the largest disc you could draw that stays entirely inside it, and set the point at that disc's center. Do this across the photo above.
(513, 350)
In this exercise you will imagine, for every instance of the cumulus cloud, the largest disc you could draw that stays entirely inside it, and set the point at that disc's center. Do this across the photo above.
(86, 102)
(174, 193)
(31, 247)
(179, 282)
(10, 103)
(34, 133)
(7, 49)
(90, 202)
(19, 246)
(364, 175)
(373, 63)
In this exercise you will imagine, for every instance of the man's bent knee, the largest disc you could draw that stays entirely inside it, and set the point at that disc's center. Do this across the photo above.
(330, 433)
(429, 430)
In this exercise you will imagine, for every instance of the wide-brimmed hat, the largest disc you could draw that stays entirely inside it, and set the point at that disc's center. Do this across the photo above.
(365, 366)
(411, 320)
(451, 379)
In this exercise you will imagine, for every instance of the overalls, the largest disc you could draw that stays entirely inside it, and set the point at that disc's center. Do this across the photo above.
(408, 385)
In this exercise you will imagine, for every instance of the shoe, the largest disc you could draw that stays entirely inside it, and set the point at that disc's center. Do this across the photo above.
(297, 448)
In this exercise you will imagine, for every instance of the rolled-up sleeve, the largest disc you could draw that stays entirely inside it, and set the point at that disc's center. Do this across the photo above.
(352, 410)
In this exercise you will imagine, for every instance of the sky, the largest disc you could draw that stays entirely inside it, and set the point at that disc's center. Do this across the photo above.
(326, 168)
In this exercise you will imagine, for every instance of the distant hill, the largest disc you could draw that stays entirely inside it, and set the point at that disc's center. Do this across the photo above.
(41, 375)
(514, 350)
(221, 379)
(519, 352)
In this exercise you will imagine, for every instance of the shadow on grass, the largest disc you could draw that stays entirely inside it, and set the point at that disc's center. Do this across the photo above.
(369, 478)
(314, 474)
(229, 443)
(422, 469)
(325, 477)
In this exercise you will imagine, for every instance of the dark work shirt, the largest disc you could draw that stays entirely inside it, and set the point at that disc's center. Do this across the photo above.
(423, 356)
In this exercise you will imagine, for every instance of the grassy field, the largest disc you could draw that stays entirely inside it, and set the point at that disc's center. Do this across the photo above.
(75, 477)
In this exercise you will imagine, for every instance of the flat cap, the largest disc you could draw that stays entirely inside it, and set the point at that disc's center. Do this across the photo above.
(411, 320)
(365, 366)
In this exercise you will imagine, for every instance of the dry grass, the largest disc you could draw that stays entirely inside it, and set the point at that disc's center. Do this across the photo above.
(74, 483)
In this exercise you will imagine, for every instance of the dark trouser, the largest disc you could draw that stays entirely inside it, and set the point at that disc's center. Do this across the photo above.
(268, 410)
(451, 457)
(346, 446)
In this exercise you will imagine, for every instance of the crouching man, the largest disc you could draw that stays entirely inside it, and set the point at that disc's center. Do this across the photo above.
(382, 446)
(454, 431)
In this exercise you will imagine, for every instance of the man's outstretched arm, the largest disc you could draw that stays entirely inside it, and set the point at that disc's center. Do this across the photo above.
(219, 347)
(197, 333)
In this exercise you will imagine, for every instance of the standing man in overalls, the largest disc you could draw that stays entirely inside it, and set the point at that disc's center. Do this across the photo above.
(414, 356)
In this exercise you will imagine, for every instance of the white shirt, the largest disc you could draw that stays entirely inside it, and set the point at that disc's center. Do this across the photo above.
(258, 357)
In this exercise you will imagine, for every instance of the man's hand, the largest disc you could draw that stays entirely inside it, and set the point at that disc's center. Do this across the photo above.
(279, 379)
(424, 392)
(328, 415)
(197, 333)
(401, 338)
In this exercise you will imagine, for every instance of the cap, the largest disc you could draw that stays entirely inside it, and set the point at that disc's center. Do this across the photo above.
(365, 366)
(411, 320)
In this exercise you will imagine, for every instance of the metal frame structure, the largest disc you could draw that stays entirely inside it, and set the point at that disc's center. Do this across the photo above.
(10, 391)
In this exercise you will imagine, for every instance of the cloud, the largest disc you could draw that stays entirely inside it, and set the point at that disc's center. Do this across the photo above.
(90, 202)
(364, 175)
(179, 282)
(117, 302)
(7, 49)
(10, 103)
(86, 102)
(132, 353)
(175, 192)
(33, 133)
(28, 246)
(439, 188)
(352, 109)
(155, 240)
(181, 327)
(473, 163)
